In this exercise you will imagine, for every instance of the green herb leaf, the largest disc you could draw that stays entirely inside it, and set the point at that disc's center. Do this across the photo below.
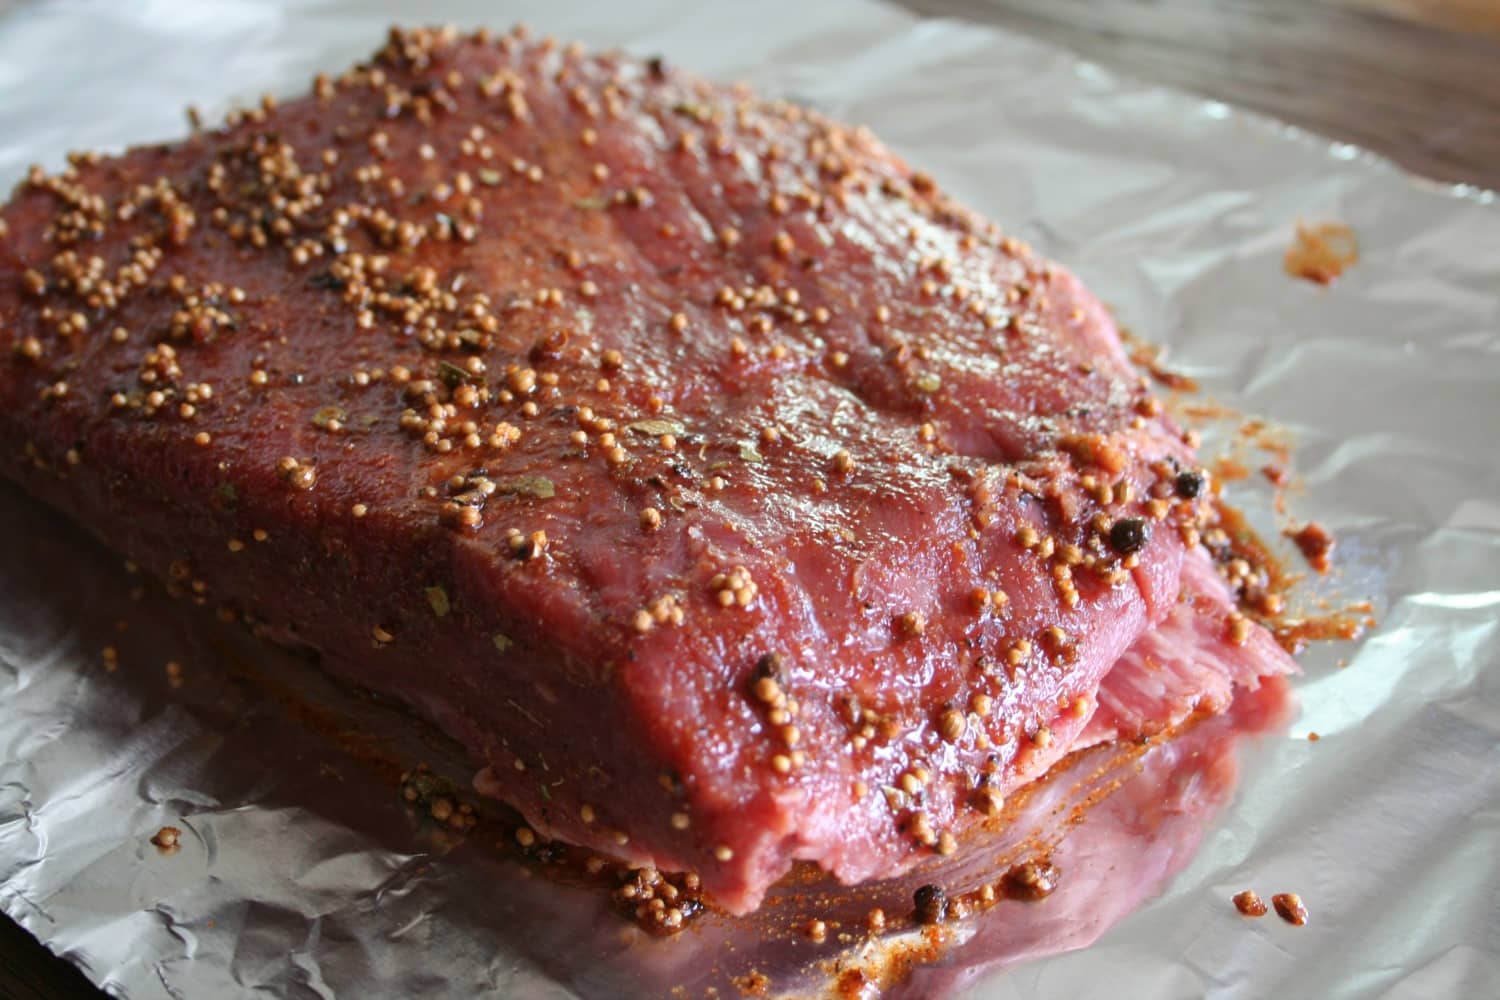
(490, 177)
(438, 598)
(502, 642)
(749, 454)
(656, 428)
(533, 486)
(451, 374)
(328, 414)
(698, 112)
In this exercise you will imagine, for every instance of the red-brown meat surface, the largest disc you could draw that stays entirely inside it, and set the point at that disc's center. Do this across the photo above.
(733, 495)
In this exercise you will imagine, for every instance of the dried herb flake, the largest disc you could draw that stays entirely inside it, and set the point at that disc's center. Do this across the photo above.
(452, 375)
(328, 414)
(656, 428)
(696, 111)
(534, 486)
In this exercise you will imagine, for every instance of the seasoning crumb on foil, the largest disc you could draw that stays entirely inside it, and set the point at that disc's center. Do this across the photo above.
(167, 839)
(1249, 903)
(1289, 907)
(1321, 252)
(1315, 543)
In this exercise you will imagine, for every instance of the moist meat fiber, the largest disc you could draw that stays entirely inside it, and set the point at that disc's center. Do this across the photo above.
(733, 495)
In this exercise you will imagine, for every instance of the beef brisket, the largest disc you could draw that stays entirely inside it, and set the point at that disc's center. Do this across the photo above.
(730, 492)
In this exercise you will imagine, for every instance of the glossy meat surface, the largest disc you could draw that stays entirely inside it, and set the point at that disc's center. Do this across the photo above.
(733, 495)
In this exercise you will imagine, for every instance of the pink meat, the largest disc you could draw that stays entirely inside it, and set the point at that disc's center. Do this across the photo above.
(1187, 664)
(731, 493)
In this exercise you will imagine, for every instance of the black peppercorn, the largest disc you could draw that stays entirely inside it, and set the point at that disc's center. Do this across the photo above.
(1128, 535)
(769, 666)
(931, 904)
(1189, 484)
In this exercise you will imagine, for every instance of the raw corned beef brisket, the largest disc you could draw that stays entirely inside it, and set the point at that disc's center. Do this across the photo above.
(733, 495)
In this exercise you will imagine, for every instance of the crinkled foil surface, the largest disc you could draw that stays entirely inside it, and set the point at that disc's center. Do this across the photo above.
(300, 874)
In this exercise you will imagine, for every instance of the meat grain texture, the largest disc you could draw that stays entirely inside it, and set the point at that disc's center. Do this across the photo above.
(732, 494)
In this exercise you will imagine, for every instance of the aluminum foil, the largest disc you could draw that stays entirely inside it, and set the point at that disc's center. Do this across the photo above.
(299, 873)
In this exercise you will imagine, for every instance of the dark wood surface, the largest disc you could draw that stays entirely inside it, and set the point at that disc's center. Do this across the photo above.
(1415, 80)
(29, 971)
